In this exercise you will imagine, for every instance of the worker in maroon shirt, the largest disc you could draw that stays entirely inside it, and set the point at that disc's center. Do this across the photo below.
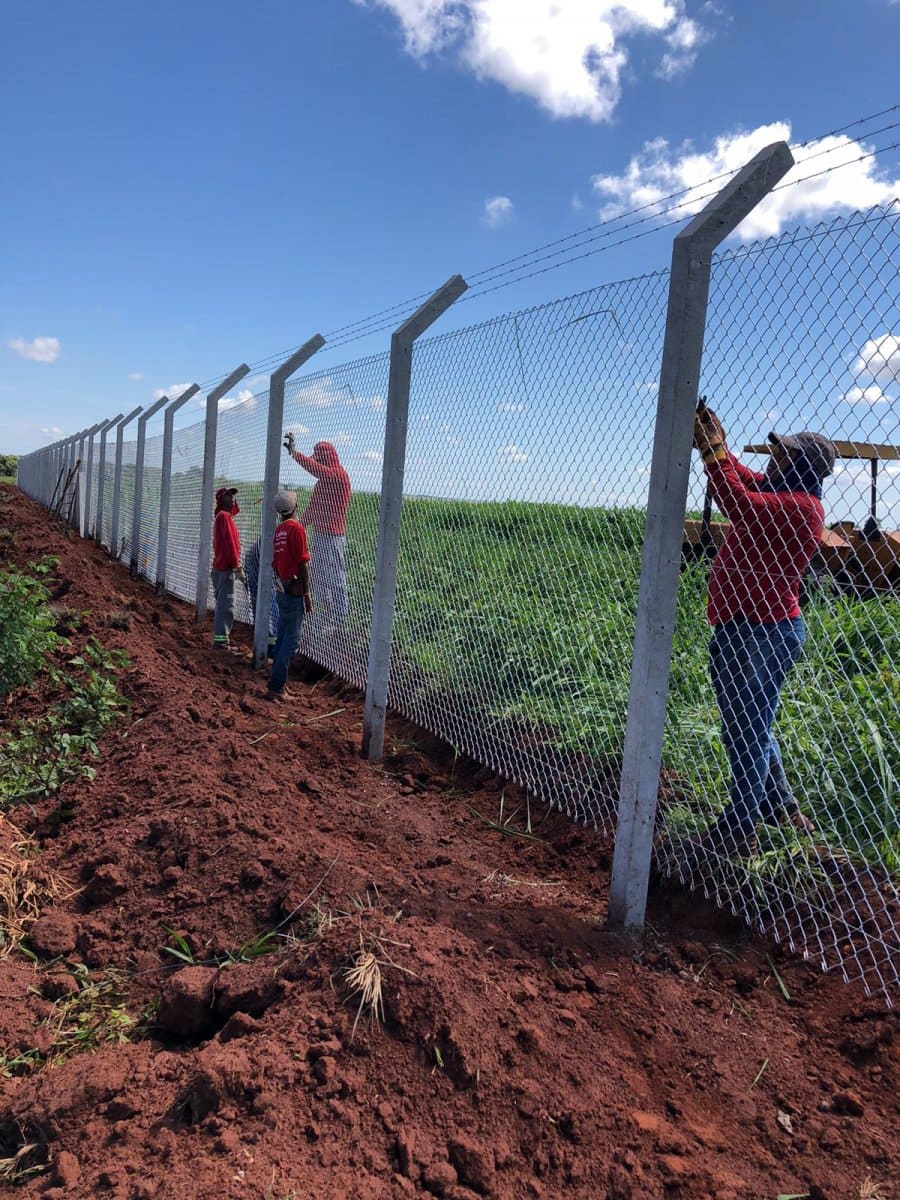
(290, 564)
(325, 513)
(226, 565)
(776, 521)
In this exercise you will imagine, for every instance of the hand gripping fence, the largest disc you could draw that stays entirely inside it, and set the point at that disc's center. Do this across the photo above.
(530, 440)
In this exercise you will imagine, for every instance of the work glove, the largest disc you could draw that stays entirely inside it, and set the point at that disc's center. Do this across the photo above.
(289, 442)
(709, 436)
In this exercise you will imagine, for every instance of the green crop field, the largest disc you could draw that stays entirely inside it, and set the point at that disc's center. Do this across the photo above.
(519, 617)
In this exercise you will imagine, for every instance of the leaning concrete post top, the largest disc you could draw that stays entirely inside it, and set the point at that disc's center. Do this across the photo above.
(109, 424)
(227, 384)
(738, 198)
(429, 312)
(180, 401)
(152, 410)
(297, 359)
(130, 416)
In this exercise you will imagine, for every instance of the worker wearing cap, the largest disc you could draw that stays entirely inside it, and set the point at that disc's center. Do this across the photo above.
(226, 565)
(325, 514)
(776, 522)
(290, 564)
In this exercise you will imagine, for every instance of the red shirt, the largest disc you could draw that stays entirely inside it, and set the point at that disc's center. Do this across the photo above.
(328, 503)
(289, 547)
(226, 542)
(767, 550)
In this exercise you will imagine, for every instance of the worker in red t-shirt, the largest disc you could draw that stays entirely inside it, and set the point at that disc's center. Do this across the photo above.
(325, 513)
(226, 565)
(290, 564)
(776, 521)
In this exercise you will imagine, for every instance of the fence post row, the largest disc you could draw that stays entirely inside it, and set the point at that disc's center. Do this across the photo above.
(139, 480)
(208, 483)
(274, 434)
(114, 548)
(165, 487)
(390, 508)
(101, 477)
(666, 504)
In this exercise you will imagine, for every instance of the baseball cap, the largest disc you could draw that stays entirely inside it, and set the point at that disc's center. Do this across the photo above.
(222, 492)
(818, 451)
(285, 502)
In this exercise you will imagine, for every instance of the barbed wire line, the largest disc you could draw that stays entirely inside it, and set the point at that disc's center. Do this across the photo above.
(611, 227)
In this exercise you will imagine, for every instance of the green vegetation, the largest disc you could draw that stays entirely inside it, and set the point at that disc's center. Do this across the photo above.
(8, 466)
(80, 697)
(524, 614)
(93, 1014)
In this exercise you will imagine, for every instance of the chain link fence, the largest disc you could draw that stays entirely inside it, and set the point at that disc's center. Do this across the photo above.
(528, 455)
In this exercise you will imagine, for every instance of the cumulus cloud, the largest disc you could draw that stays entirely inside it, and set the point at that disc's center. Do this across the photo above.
(39, 349)
(52, 433)
(513, 454)
(497, 211)
(865, 395)
(135, 375)
(569, 56)
(879, 359)
(173, 391)
(511, 407)
(244, 396)
(660, 170)
(373, 456)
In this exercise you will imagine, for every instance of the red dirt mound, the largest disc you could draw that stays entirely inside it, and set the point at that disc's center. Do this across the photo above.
(518, 1050)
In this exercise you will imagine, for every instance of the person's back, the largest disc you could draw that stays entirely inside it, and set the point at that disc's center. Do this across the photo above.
(327, 507)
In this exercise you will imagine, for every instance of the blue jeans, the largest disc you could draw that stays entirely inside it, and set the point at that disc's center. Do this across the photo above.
(748, 664)
(287, 639)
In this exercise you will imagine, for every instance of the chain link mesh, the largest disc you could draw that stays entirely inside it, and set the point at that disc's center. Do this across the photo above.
(528, 455)
(798, 831)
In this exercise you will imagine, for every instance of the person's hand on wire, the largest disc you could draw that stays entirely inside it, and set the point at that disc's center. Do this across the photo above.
(289, 442)
(709, 436)
(242, 575)
(307, 602)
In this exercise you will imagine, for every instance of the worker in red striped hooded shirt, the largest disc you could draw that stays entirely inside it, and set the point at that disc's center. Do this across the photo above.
(776, 521)
(326, 514)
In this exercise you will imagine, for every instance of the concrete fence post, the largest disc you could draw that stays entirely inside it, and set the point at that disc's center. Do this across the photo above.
(114, 548)
(274, 435)
(97, 510)
(208, 484)
(663, 533)
(165, 492)
(390, 508)
(139, 480)
(84, 509)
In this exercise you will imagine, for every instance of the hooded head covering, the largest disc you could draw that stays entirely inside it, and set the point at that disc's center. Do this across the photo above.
(326, 454)
(221, 495)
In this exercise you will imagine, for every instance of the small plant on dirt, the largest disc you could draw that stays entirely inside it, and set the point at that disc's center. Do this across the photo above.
(363, 977)
(41, 754)
(253, 948)
(22, 895)
(180, 948)
(504, 823)
(27, 635)
(870, 1190)
(119, 618)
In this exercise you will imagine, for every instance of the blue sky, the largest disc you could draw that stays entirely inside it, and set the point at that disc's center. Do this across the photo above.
(191, 185)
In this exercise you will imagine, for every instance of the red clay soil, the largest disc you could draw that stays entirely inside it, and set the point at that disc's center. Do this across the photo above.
(522, 1051)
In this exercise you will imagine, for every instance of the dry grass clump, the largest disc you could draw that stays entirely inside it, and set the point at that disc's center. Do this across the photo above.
(22, 894)
(21, 1165)
(870, 1190)
(118, 618)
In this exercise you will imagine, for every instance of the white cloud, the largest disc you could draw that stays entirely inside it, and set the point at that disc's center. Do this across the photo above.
(660, 170)
(577, 203)
(880, 359)
(173, 391)
(135, 375)
(341, 438)
(244, 396)
(497, 211)
(374, 456)
(865, 395)
(511, 407)
(52, 433)
(327, 393)
(512, 454)
(568, 55)
(39, 349)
